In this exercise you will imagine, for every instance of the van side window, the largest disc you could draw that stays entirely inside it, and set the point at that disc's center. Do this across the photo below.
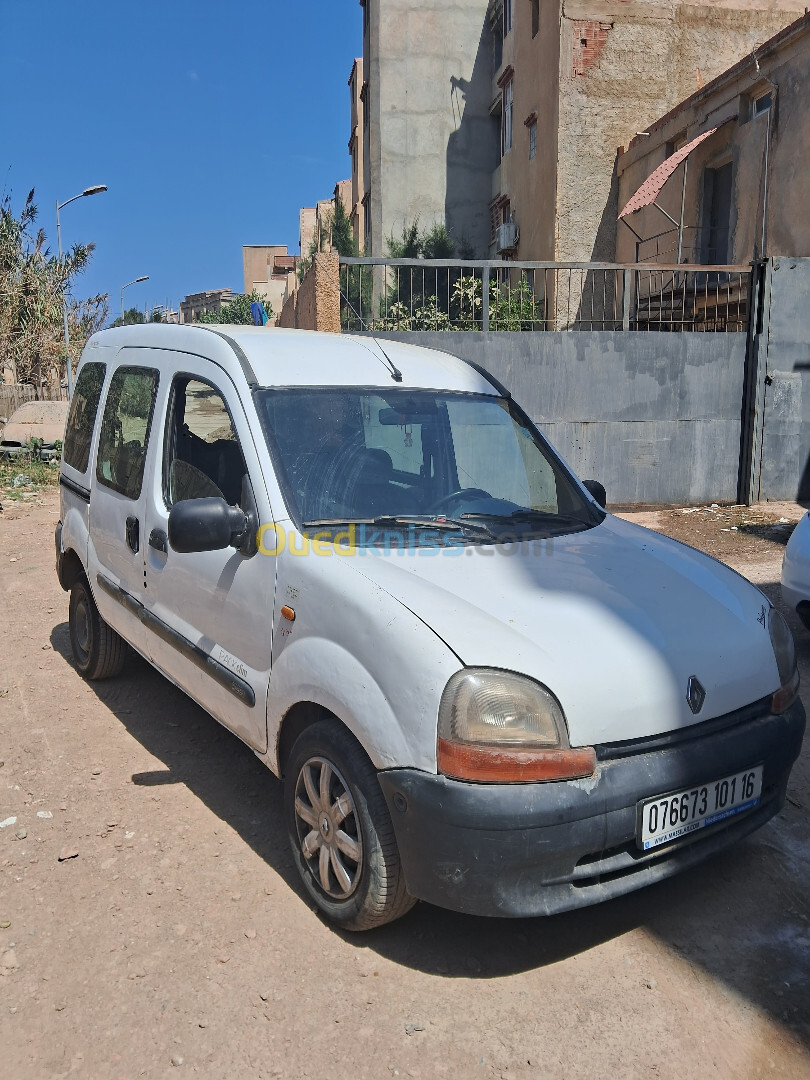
(203, 456)
(125, 430)
(82, 419)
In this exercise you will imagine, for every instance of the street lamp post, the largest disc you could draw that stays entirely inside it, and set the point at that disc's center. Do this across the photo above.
(133, 282)
(96, 189)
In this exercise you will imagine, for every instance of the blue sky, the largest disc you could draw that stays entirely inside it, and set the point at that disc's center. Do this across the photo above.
(210, 123)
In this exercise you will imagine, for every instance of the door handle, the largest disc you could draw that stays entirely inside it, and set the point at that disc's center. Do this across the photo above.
(133, 535)
(159, 541)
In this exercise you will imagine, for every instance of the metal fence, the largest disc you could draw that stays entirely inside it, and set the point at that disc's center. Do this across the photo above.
(440, 294)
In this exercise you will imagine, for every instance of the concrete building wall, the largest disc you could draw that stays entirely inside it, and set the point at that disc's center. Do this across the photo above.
(307, 222)
(624, 63)
(431, 151)
(274, 291)
(728, 103)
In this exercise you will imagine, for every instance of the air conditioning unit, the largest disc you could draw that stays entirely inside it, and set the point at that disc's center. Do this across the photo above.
(507, 237)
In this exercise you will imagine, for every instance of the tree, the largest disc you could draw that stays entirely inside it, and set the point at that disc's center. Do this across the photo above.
(237, 311)
(343, 241)
(420, 286)
(34, 284)
(131, 317)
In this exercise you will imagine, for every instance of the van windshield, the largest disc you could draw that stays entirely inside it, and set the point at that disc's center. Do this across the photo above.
(408, 457)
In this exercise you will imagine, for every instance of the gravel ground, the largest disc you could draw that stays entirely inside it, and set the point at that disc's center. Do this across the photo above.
(151, 924)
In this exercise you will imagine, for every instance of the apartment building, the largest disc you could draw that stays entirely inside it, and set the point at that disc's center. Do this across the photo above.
(502, 119)
(267, 270)
(315, 222)
(201, 303)
(430, 144)
(722, 178)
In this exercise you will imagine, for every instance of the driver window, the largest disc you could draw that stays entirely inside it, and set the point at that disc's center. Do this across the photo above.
(204, 458)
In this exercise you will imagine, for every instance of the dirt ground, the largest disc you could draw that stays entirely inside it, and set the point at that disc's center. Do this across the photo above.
(172, 937)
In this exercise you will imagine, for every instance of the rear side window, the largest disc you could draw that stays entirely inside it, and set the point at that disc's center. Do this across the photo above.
(125, 430)
(82, 417)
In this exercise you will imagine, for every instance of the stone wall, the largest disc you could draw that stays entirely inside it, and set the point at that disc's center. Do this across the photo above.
(315, 305)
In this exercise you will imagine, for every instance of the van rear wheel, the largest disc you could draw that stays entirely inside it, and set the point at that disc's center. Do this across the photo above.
(98, 651)
(340, 830)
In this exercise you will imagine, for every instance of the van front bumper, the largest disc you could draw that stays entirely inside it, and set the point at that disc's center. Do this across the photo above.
(516, 850)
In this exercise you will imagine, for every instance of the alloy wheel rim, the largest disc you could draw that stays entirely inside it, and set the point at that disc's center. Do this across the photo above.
(83, 628)
(328, 829)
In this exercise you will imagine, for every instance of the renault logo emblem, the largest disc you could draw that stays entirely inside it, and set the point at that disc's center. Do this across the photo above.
(695, 694)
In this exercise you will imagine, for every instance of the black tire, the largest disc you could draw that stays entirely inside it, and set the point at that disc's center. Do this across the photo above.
(370, 890)
(98, 651)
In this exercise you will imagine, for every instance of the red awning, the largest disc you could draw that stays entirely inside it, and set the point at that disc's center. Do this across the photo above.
(651, 188)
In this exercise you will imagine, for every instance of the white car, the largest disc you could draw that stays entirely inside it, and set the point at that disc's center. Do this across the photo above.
(479, 688)
(796, 571)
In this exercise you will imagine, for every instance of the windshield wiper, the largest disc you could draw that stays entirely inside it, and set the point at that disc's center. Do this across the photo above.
(530, 515)
(445, 523)
(326, 523)
(417, 522)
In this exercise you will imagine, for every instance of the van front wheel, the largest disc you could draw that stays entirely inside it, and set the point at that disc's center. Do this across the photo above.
(98, 651)
(340, 830)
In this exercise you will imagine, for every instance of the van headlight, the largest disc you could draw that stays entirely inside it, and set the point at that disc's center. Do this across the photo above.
(784, 649)
(498, 727)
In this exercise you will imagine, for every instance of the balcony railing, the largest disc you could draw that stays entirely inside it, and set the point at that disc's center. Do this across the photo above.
(440, 294)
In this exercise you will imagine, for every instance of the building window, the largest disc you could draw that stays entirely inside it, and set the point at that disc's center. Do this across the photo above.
(507, 16)
(676, 144)
(532, 140)
(535, 17)
(506, 121)
(762, 104)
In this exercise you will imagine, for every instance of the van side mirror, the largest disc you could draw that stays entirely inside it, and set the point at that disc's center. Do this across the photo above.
(594, 488)
(205, 525)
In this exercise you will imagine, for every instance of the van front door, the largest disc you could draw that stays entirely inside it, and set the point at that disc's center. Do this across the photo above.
(211, 612)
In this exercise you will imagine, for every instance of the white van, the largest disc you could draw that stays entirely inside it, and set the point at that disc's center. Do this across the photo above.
(479, 688)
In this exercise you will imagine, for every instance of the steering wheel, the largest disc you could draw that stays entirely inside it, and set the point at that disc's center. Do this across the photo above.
(470, 493)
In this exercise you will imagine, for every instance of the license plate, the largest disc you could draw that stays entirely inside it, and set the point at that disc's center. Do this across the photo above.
(668, 817)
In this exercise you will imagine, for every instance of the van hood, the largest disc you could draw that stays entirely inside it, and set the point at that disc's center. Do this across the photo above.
(614, 621)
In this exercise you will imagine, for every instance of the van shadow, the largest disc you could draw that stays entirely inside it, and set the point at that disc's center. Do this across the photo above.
(196, 751)
(743, 918)
(227, 777)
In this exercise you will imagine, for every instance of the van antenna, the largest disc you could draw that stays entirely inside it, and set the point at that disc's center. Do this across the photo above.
(396, 374)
